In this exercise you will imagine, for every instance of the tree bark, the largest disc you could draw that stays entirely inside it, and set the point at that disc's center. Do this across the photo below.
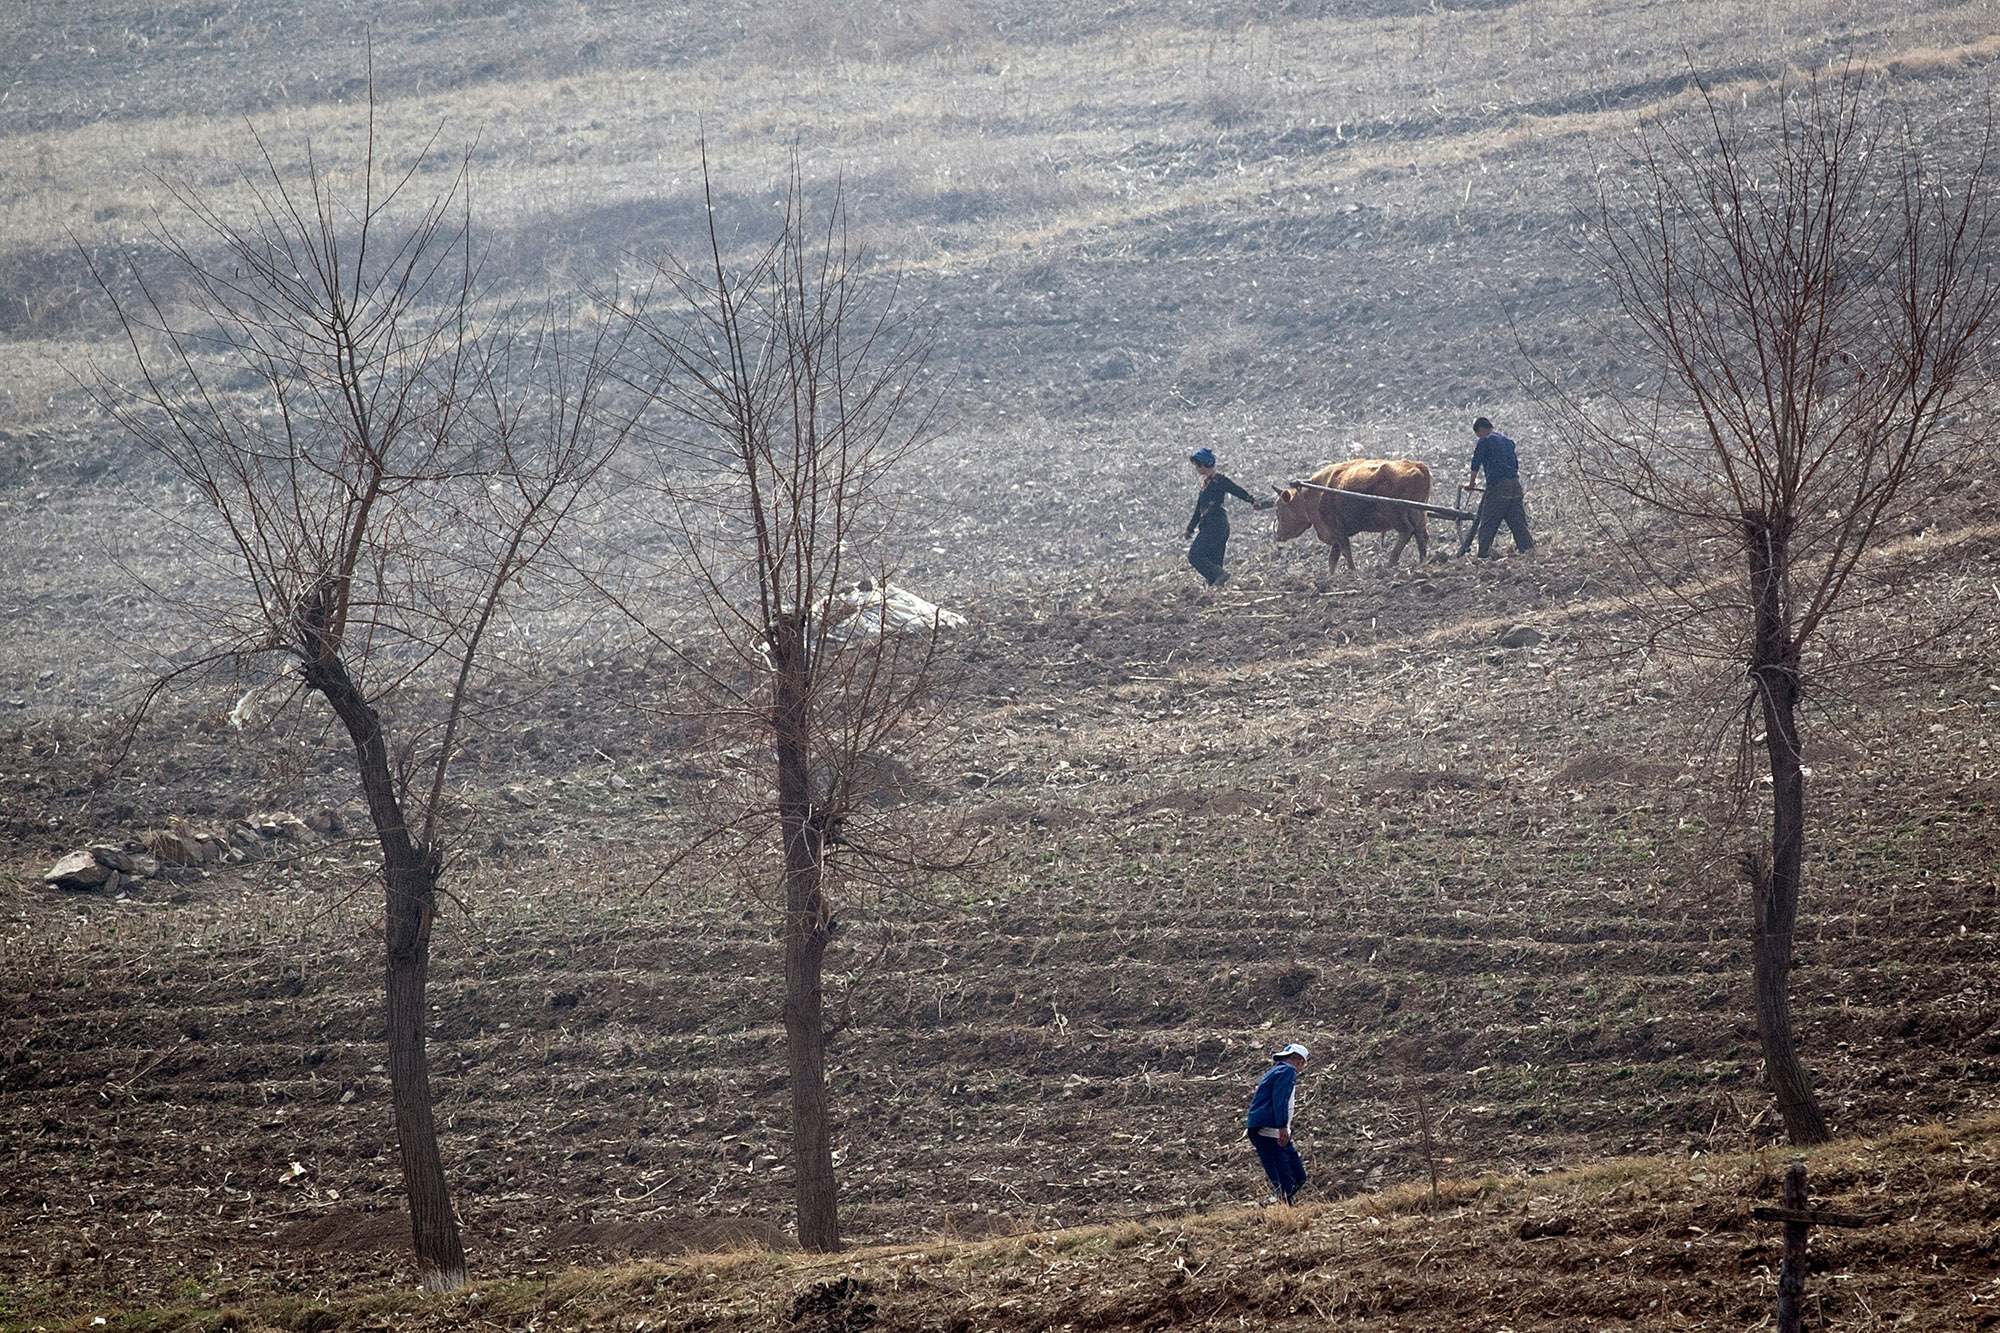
(805, 1033)
(409, 874)
(807, 928)
(1774, 882)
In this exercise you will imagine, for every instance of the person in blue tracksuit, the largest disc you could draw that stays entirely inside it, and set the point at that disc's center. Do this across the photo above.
(1270, 1122)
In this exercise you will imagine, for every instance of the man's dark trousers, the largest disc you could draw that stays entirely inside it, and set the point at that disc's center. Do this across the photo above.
(1504, 502)
(1281, 1164)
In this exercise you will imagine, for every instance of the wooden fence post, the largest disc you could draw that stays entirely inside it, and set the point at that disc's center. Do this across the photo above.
(1798, 1215)
(1792, 1268)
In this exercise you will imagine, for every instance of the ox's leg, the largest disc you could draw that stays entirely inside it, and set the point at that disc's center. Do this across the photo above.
(1329, 534)
(1422, 533)
(1402, 540)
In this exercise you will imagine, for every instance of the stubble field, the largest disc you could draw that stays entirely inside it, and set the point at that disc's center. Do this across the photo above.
(1491, 887)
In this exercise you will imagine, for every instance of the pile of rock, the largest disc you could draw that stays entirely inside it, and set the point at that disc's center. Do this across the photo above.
(109, 867)
(104, 868)
(179, 845)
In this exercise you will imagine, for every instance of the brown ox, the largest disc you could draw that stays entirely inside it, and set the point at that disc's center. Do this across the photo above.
(1338, 517)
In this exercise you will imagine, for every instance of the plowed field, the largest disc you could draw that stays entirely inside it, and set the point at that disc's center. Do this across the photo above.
(1492, 887)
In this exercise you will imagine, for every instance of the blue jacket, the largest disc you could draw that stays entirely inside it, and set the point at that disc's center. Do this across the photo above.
(1271, 1105)
(1495, 453)
(1208, 512)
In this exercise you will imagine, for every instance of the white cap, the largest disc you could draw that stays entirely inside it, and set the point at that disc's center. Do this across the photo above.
(1292, 1049)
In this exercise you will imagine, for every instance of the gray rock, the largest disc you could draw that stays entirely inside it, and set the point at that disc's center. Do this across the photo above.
(1116, 364)
(282, 827)
(79, 871)
(1521, 636)
(137, 864)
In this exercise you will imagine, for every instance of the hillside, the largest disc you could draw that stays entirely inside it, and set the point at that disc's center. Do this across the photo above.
(1492, 887)
(1630, 1243)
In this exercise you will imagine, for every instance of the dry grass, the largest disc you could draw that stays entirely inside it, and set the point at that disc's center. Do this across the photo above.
(1677, 1232)
(935, 102)
(1925, 61)
(39, 386)
(961, 152)
(825, 33)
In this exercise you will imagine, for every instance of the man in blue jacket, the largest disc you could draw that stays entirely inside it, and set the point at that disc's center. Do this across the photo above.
(1504, 501)
(1270, 1123)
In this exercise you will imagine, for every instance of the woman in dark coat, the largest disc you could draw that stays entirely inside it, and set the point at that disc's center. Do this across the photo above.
(1210, 525)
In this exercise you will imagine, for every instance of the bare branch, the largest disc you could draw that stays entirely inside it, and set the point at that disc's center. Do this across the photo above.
(1816, 300)
(378, 453)
(786, 391)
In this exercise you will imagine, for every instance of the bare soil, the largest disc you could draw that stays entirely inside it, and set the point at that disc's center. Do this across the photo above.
(1492, 883)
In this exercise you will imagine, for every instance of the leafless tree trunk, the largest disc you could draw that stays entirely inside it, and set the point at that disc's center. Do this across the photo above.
(808, 926)
(1774, 882)
(788, 391)
(378, 459)
(410, 877)
(1811, 297)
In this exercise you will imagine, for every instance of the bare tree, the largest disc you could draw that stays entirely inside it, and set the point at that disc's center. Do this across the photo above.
(1811, 296)
(376, 458)
(789, 390)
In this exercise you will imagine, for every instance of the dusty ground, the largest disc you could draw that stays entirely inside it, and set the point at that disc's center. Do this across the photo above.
(1459, 904)
(1631, 1243)
(1491, 883)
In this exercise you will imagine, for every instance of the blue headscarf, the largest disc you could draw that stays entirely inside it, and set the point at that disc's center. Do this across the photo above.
(1202, 458)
